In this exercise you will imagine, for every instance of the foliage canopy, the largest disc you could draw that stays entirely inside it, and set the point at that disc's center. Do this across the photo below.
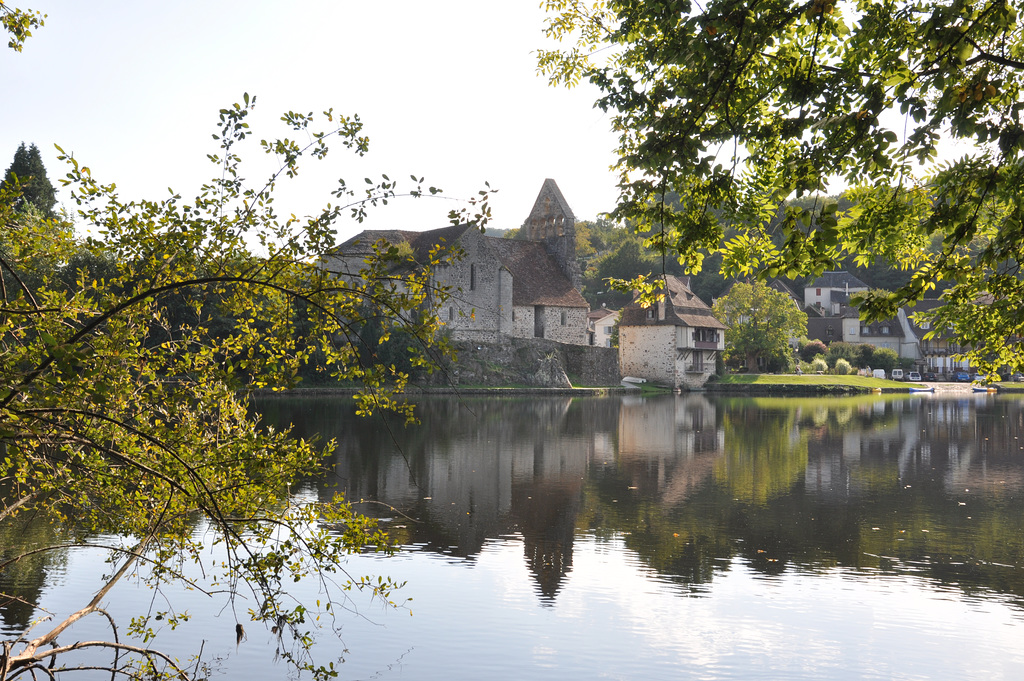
(126, 362)
(761, 322)
(737, 106)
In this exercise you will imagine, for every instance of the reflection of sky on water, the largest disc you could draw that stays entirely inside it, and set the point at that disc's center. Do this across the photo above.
(670, 538)
(615, 618)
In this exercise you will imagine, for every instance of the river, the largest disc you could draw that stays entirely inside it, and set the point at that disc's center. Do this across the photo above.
(672, 537)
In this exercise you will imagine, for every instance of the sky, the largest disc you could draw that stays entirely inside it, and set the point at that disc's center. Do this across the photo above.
(447, 90)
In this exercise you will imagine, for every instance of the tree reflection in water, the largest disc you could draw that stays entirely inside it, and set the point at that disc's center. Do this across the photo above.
(928, 486)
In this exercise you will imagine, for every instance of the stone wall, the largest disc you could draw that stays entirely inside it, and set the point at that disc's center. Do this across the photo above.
(574, 328)
(648, 352)
(532, 362)
(476, 284)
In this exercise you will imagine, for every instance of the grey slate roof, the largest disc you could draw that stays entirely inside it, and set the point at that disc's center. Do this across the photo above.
(838, 279)
(818, 327)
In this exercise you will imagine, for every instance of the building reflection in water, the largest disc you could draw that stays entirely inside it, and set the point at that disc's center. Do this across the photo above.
(690, 482)
(492, 468)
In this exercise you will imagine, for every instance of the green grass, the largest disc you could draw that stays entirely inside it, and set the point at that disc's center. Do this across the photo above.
(809, 379)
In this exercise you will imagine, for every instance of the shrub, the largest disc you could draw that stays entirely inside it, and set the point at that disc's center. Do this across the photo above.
(819, 364)
(842, 368)
(840, 350)
(812, 349)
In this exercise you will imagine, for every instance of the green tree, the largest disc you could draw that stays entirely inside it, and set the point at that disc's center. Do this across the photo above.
(885, 358)
(125, 372)
(760, 323)
(28, 175)
(738, 107)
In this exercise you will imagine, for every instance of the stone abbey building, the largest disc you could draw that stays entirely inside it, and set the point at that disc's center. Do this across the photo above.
(526, 287)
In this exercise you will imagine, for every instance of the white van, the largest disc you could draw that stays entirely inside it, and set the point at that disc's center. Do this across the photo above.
(878, 373)
(897, 374)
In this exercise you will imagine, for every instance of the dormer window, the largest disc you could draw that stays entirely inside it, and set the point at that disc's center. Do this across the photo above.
(885, 330)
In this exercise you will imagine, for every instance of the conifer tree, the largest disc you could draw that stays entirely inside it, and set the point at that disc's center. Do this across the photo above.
(35, 187)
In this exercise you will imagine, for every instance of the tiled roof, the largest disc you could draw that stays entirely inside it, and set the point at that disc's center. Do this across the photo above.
(536, 277)
(598, 315)
(420, 242)
(682, 308)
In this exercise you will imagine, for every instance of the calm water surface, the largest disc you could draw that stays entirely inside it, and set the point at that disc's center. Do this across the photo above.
(679, 537)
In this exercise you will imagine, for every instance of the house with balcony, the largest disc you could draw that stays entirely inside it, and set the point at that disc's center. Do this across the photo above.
(936, 354)
(674, 342)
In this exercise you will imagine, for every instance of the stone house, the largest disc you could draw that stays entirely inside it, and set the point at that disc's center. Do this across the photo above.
(527, 287)
(675, 342)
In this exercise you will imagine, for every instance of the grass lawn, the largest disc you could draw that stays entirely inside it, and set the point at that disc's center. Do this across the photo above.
(811, 379)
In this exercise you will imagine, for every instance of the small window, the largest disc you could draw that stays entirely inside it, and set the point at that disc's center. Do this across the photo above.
(830, 332)
(885, 330)
(451, 313)
(608, 329)
(650, 313)
(865, 331)
(472, 277)
(818, 292)
(565, 318)
(926, 325)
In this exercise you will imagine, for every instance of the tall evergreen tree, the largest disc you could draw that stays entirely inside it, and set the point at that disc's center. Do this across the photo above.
(31, 173)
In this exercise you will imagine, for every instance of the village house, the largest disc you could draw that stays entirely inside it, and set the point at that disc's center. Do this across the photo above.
(527, 287)
(936, 354)
(675, 342)
(600, 326)
(827, 294)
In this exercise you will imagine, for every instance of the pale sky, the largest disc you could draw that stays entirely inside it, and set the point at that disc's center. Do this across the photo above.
(447, 90)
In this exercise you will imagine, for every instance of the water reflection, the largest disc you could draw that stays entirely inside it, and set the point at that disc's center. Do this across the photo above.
(928, 487)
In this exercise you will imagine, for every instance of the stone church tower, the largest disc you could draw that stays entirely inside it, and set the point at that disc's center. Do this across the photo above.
(551, 222)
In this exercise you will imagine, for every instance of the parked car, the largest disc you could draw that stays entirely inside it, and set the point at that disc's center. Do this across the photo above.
(897, 374)
(961, 377)
(914, 376)
(928, 376)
